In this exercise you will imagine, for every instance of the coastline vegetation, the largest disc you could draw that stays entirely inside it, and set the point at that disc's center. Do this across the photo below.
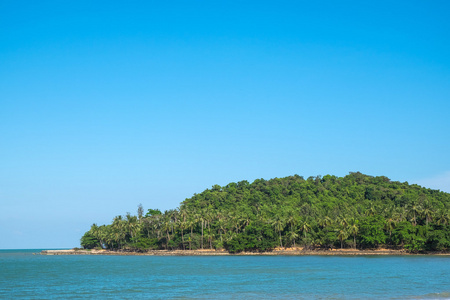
(356, 211)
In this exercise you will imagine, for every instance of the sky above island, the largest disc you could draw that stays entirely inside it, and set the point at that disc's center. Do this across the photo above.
(107, 104)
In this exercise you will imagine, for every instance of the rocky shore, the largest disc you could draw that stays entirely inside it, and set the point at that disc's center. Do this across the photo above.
(287, 252)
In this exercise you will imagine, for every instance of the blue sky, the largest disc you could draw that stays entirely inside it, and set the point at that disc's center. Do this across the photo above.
(109, 104)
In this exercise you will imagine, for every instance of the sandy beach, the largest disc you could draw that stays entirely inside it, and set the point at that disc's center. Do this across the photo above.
(207, 252)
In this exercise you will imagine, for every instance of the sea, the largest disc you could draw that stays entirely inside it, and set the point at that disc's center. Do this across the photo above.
(24, 274)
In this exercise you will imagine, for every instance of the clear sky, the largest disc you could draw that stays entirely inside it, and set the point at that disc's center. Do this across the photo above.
(107, 104)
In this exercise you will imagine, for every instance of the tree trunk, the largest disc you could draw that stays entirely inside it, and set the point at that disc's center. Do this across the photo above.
(182, 238)
(210, 238)
(168, 239)
(190, 240)
(202, 234)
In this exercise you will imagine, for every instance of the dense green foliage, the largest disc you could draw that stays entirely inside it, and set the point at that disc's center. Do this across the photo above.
(355, 211)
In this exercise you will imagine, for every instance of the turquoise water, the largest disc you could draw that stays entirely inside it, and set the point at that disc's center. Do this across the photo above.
(24, 275)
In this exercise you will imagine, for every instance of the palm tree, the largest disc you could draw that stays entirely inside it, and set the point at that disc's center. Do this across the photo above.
(190, 223)
(293, 235)
(210, 216)
(222, 228)
(342, 235)
(325, 222)
(415, 210)
(173, 218)
(201, 218)
(278, 225)
(102, 235)
(443, 217)
(231, 221)
(107, 236)
(182, 226)
(239, 220)
(167, 226)
(400, 214)
(389, 226)
(118, 229)
(157, 225)
(132, 224)
(209, 235)
(353, 229)
(183, 213)
(305, 227)
(97, 233)
(427, 212)
(291, 219)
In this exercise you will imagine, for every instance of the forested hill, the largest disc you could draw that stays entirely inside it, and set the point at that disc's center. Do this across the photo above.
(355, 211)
(329, 195)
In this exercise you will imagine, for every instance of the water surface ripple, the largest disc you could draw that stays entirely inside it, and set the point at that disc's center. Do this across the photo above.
(27, 276)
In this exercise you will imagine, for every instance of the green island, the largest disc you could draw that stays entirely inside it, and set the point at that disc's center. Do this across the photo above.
(355, 212)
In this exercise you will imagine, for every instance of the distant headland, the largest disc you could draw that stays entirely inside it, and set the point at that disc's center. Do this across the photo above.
(352, 215)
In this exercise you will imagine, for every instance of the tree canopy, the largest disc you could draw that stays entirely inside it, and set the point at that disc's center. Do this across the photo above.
(354, 211)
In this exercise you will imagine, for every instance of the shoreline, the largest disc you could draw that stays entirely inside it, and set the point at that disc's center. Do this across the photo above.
(276, 252)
